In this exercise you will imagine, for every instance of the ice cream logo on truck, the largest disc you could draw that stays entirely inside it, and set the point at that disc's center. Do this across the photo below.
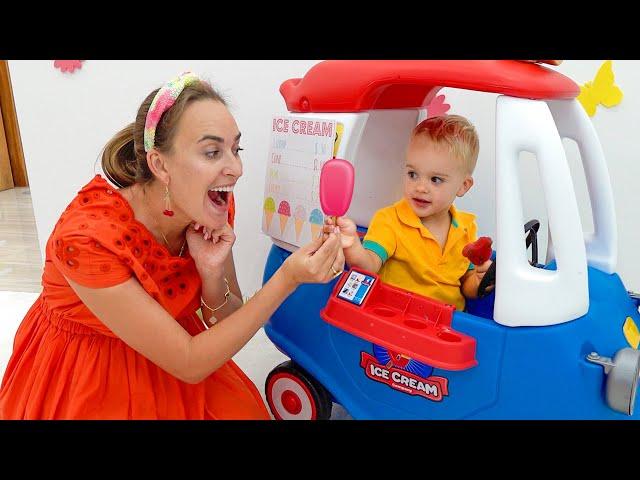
(403, 374)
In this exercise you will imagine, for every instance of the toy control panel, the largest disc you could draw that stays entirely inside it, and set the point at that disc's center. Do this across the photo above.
(397, 319)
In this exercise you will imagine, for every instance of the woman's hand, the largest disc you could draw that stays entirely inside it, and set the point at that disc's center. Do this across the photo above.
(315, 262)
(210, 249)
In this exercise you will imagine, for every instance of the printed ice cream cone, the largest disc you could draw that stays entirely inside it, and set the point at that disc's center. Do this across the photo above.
(299, 224)
(268, 216)
(269, 207)
(300, 216)
(284, 211)
(315, 230)
(283, 222)
(316, 219)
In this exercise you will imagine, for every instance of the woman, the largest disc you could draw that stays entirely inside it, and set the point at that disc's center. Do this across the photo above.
(115, 333)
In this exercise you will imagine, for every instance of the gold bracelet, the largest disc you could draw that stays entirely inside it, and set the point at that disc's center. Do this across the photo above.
(226, 299)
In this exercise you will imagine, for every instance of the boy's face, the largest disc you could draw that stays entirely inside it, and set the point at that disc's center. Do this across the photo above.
(433, 177)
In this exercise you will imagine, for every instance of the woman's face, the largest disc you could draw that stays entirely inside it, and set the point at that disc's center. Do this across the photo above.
(204, 163)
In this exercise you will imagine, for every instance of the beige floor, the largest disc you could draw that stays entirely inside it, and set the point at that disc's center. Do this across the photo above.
(20, 259)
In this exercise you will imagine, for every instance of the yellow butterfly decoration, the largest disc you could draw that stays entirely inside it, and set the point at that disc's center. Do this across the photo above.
(601, 91)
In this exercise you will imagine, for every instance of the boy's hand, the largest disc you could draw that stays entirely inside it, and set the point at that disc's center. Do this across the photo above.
(348, 230)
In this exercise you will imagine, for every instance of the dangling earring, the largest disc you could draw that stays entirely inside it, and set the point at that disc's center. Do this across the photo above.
(167, 202)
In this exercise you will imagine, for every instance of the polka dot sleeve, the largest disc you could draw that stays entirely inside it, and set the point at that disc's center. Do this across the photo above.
(88, 255)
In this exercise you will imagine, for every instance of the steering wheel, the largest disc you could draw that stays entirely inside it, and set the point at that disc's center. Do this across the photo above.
(531, 230)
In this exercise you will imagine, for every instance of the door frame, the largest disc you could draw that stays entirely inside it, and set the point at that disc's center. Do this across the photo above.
(11, 128)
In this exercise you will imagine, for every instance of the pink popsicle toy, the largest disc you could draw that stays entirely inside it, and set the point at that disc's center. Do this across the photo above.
(336, 187)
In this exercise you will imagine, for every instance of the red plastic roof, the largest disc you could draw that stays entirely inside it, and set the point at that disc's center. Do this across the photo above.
(356, 85)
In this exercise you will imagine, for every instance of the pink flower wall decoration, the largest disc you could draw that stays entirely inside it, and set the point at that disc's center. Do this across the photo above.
(67, 65)
(437, 107)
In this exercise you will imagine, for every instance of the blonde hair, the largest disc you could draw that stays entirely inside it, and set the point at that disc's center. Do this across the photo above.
(455, 133)
(124, 160)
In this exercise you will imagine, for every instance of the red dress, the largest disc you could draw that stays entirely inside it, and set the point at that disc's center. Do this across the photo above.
(66, 364)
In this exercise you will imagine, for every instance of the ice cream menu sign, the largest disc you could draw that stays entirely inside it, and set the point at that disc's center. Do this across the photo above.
(291, 207)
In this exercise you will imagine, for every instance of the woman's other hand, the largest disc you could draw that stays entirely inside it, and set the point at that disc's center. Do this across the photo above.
(210, 248)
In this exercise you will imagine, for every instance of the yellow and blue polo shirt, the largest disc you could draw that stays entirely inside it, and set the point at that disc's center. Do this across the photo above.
(413, 259)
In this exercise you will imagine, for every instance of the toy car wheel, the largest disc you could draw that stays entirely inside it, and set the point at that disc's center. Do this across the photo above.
(622, 380)
(293, 394)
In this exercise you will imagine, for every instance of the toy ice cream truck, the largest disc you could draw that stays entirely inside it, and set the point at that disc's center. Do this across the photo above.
(554, 340)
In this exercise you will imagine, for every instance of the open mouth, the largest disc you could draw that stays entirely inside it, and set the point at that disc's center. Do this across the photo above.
(220, 195)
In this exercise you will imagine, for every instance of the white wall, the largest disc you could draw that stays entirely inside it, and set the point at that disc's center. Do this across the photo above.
(65, 120)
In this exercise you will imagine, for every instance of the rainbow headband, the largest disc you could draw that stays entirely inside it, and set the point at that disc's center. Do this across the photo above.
(163, 101)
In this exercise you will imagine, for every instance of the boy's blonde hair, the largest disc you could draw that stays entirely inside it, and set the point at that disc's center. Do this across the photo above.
(455, 133)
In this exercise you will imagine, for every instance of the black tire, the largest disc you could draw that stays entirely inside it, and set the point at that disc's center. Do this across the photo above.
(293, 394)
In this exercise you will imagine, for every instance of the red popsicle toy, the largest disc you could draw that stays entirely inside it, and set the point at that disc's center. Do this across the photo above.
(336, 187)
(479, 251)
